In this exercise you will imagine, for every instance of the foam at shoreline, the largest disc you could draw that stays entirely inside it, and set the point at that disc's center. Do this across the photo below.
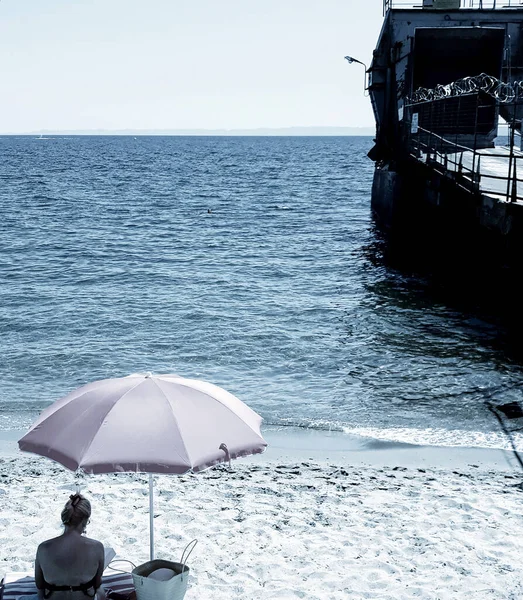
(294, 444)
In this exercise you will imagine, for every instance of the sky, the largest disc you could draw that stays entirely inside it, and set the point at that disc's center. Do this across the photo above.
(173, 64)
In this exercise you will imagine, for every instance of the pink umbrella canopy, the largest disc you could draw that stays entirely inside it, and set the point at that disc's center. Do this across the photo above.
(145, 423)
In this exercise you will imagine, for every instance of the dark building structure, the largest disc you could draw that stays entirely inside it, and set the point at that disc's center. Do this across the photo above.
(441, 77)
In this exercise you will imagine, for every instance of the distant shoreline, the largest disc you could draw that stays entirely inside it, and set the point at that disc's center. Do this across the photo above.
(261, 132)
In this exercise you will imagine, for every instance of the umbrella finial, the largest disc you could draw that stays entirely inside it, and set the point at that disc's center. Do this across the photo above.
(227, 455)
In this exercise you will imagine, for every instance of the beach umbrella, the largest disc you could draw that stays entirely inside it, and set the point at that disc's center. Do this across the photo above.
(148, 424)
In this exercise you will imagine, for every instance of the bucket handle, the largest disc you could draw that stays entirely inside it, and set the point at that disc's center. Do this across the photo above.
(185, 556)
(120, 560)
(186, 553)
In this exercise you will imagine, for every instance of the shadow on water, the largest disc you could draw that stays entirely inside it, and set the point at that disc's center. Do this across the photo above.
(472, 291)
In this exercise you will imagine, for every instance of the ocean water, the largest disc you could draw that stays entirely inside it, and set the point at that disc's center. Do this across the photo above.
(252, 263)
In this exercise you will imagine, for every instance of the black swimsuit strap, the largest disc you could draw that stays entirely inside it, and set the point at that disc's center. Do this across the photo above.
(49, 588)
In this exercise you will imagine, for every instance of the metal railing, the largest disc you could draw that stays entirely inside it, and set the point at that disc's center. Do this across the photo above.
(446, 5)
(456, 135)
(463, 164)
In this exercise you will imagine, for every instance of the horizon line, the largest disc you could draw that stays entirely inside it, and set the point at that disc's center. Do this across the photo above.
(297, 130)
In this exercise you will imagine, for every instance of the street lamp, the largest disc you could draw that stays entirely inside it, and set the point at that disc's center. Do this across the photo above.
(351, 60)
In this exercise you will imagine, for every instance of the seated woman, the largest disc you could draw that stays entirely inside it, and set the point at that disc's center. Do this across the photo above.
(70, 566)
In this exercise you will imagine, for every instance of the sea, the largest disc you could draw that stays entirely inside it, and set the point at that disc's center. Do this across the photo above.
(250, 262)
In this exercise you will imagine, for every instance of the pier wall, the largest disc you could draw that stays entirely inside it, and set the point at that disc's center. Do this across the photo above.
(425, 209)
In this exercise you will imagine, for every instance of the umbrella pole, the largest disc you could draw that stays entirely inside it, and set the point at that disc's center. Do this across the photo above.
(151, 516)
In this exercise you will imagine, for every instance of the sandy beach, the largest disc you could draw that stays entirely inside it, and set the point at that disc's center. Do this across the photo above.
(345, 526)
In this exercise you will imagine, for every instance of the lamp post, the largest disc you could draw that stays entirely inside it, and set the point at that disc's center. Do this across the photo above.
(351, 60)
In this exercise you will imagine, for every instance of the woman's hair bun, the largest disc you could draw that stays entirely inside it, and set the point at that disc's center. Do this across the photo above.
(76, 510)
(75, 499)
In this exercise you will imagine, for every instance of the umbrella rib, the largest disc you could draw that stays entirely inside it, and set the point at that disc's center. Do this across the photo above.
(105, 417)
(224, 405)
(177, 424)
(73, 422)
(61, 406)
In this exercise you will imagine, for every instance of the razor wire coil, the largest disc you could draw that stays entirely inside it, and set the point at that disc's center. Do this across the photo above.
(502, 91)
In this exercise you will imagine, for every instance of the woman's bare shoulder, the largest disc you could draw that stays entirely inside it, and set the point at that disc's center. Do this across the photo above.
(94, 544)
(58, 541)
(43, 546)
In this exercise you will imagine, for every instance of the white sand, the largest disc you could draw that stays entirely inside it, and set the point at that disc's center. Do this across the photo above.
(310, 529)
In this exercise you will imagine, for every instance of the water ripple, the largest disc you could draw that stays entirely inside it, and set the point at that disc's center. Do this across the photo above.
(249, 262)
